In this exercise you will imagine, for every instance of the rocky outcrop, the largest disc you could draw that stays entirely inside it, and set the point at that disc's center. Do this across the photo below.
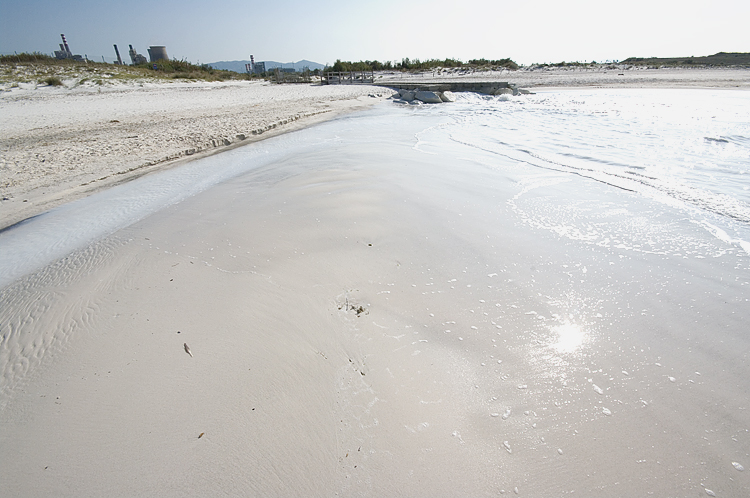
(425, 96)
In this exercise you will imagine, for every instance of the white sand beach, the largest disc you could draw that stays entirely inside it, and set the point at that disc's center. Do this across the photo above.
(599, 76)
(59, 144)
(436, 320)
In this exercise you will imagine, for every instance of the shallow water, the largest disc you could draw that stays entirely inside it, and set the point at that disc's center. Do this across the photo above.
(535, 318)
(689, 149)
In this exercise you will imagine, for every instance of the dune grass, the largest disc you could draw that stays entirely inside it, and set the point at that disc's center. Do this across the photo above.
(42, 69)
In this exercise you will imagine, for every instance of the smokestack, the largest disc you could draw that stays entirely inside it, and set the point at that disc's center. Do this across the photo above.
(119, 59)
(67, 48)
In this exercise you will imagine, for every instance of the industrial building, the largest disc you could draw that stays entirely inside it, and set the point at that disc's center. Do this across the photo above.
(65, 53)
(259, 68)
(135, 57)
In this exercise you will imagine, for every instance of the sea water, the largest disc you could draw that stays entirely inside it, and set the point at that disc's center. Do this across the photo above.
(689, 149)
(686, 148)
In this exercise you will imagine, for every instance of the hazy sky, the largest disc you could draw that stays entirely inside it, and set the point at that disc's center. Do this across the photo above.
(326, 30)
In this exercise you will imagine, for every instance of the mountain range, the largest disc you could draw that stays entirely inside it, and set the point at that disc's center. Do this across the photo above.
(239, 66)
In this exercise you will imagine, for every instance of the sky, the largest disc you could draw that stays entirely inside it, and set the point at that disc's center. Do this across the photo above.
(325, 30)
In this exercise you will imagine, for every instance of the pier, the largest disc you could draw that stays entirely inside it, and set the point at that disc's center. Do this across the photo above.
(489, 88)
(348, 78)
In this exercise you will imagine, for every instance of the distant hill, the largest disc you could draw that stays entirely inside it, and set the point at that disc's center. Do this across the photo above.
(239, 66)
(720, 59)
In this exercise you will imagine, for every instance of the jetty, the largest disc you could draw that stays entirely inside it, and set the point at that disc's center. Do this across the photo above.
(348, 78)
(488, 87)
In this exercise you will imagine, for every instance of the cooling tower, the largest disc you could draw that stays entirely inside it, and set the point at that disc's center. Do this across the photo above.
(157, 53)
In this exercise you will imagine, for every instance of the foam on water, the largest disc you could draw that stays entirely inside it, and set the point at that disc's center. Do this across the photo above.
(686, 148)
(36, 242)
(689, 149)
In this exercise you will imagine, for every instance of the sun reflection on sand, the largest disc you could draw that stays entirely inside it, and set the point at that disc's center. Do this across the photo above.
(570, 337)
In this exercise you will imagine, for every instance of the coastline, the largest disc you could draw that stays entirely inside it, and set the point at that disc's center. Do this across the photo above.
(61, 144)
(613, 76)
(386, 310)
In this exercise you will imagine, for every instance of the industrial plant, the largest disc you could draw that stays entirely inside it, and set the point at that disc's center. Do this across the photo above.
(135, 57)
(65, 53)
(255, 67)
(155, 53)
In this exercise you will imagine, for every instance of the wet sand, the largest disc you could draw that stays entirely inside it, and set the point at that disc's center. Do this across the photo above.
(61, 144)
(378, 324)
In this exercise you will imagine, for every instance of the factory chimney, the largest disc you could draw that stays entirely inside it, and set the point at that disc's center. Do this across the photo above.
(119, 59)
(64, 47)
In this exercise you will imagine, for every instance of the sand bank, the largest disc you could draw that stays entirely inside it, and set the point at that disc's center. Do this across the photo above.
(604, 76)
(58, 144)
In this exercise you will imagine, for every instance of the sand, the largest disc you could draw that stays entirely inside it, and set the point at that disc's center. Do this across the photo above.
(601, 76)
(58, 144)
(366, 329)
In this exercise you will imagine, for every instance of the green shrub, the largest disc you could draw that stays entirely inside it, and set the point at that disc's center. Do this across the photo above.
(53, 81)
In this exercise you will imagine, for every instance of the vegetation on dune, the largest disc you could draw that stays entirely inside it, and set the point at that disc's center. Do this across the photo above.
(26, 57)
(721, 59)
(53, 81)
(567, 64)
(407, 64)
(187, 70)
(41, 68)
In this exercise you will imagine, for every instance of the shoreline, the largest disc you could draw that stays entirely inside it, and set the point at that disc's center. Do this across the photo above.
(46, 165)
(362, 316)
(581, 77)
(55, 151)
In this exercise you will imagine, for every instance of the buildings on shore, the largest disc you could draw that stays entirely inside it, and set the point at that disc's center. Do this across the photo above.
(155, 53)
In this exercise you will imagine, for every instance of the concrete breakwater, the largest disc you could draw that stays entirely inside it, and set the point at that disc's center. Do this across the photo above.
(440, 92)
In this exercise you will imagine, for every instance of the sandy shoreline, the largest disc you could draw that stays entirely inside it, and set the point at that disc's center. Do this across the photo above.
(599, 77)
(59, 144)
(382, 312)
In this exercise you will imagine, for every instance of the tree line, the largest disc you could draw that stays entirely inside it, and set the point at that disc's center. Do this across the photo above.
(407, 64)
